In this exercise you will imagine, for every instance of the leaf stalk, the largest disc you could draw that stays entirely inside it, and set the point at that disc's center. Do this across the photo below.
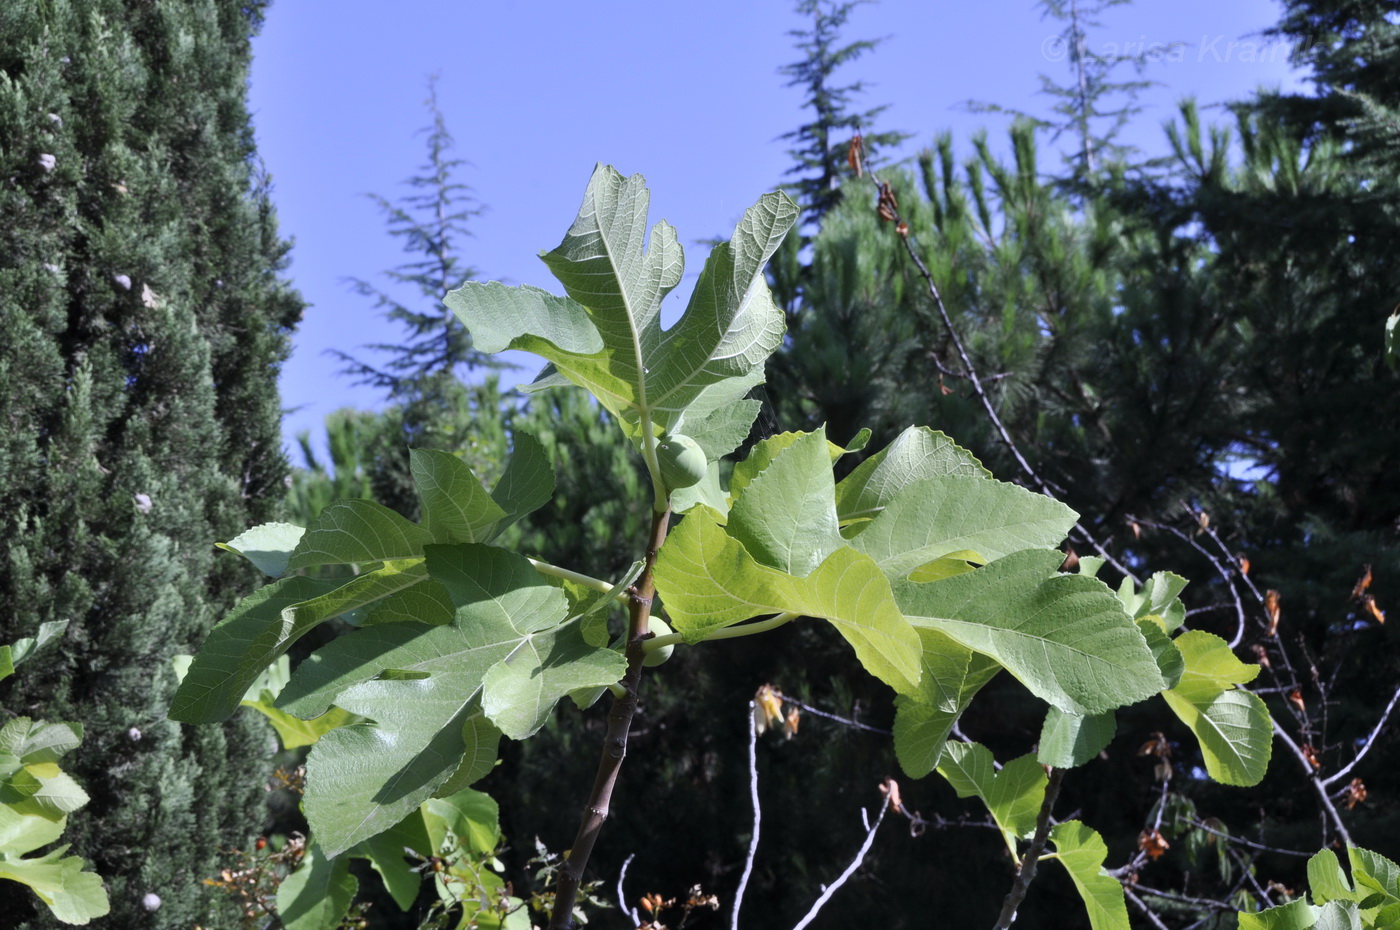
(729, 632)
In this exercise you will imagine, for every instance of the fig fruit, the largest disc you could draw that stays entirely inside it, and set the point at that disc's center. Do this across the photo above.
(658, 627)
(681, 459)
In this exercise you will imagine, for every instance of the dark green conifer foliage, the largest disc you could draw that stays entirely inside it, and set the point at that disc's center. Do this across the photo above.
(820, 145)
(1093, 106)
(144, 321)
(1352, 48)
(431, 222)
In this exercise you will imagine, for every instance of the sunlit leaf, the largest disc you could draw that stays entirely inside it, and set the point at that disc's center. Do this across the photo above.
(1013, 795)
(708, 581)
(267, 546)
(318, 894)
(606, 335)
(1065, 637)
(1070, 740)
(1233, 726)
(1082, 852)
(951, 676)
(456, 508)
(936, 516)
(351, 532)
(916, 453)
(786, 517)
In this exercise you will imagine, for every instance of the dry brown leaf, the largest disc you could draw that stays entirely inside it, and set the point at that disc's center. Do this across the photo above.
(1273, 606)
(767, 709)
(890, 788)
(1153, 843)
(853, 156)
(1358, 590)
(790, 722)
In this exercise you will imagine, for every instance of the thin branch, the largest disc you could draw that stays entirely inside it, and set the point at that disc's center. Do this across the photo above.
(1366, 747)
(808, 708)
(1329, 809)
(1248, 873)
(621, 896)
(1026, 873)
(757, 817)
(1221, 569)
(1250, 843)
(1210, 903)
(1147, 912)
(973, 378)
(620, 715)
(850, 869)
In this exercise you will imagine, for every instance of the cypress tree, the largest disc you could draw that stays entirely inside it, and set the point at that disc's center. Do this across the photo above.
(145, 321)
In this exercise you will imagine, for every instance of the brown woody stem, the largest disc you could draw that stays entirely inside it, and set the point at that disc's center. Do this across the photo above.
(615, 745)
(1026, 874)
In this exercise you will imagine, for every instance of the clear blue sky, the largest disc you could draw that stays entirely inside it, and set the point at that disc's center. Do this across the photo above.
(687, 93)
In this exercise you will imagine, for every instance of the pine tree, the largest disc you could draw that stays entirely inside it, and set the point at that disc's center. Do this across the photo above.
(144, 322)
(1352, 48)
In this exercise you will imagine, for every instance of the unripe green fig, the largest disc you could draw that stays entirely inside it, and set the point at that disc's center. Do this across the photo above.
(681, 459)
(658, 627)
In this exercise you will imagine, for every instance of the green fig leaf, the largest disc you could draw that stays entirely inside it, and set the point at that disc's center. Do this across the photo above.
(1013, 795)
(1082, 852)
(1065, 637)
(1069, 740)
(267, 546)
(317, 895)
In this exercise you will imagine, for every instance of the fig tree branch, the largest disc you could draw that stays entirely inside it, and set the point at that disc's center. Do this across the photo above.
(620, 715)
(1365, 746)
(850, 869)
(1026, 873)
(889, 210)
(757, 817)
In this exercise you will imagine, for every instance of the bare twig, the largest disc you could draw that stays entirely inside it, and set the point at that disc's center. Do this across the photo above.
(621, 896)
(1222, 569)
(1026, 874)
(1250, 843)
(990, 409)
(1248, 873)
(1366, 746)
(808, 708)
(1329, 809)
(1209, 903)
(620, 716)
(889, 209)
(757, 816)
(850, 869)
(1147, 912)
